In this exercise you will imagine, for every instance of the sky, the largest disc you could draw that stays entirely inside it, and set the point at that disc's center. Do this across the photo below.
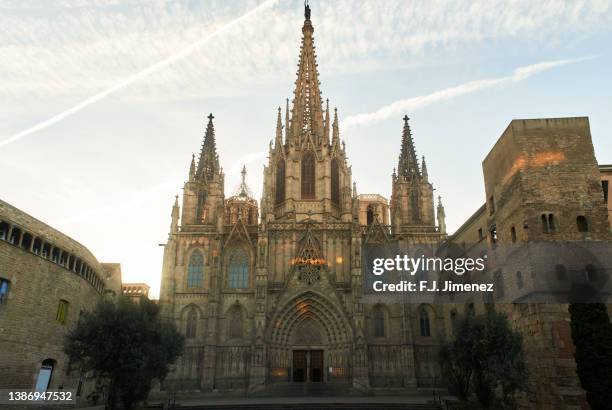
(103, 102)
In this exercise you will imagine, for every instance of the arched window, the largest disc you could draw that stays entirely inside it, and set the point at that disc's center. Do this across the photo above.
(191, 327)
(238, 270)
(544, 224)
(513, 234)
(280, 181)
(44, 375)
(424, 322)
(195, 271)
(582, 224)
(379, 321)
(308, 175)
(235, 323)
(370, 215)
(335, 182)
(414, 205)
(551, 222)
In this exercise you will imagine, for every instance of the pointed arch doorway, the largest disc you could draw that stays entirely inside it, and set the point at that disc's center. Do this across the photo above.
(310, 341)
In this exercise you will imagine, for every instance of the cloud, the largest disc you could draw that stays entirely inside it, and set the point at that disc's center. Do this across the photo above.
(400, 107)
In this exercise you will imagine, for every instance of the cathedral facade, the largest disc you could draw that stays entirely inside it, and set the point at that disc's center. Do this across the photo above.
(273, 292)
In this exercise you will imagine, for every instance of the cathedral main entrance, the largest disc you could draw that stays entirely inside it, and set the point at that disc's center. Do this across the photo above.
(308, 366)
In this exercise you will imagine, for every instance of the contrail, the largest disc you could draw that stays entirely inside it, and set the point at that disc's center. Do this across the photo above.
(135, 77)
(400, 107)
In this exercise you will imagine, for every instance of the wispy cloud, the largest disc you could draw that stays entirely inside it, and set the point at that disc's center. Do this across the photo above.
(401, 107)
(139, 75)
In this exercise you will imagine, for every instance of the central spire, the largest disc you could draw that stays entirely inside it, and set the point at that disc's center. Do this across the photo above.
(307, 112)
(408, 165)
(208, 164)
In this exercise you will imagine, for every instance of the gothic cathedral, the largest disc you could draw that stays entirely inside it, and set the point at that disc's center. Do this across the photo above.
(273, 294)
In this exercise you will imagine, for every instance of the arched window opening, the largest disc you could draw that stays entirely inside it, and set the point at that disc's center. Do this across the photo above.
(4, 230)
(513, 234)
(544, 224)
(582, 224)
(235, 323)
(238, 270)
(26, 241)
(308, 175)
(195, 271)
(370, 215)
(280, 181)
(191, 327)
(44, 375)
(424, 322)
(519, 279)
(37, 247)
(414, 205)
(379, 321)
(551, 223)
(335, 182)
(15, 236)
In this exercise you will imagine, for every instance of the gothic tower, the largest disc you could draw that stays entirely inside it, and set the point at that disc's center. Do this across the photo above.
(307, 175)
(412, 203)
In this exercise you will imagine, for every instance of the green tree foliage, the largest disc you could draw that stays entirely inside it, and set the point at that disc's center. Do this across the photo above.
(127, 345)
(485, 357)
(592, 336)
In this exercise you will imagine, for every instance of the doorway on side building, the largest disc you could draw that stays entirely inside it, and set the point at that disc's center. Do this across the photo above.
(308, 366)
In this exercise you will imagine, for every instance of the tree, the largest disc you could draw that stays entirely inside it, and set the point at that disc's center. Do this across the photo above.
(127, 345)
(486, 357)
(592, 337)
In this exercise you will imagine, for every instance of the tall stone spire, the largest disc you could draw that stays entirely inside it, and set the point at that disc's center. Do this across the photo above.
(287, 130)
(244, 190)
(408, 164)
(307, 112)
(327, 122)
(335, 132)
(208, 164)
(278, 143)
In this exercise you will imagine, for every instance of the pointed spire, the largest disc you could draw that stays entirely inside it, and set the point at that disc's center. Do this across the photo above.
(287, 122)
(408, 164)
(326, 130)
(354, 189)
(244, 190)
(278, 143)
(175, 216)
(335, 132)
(441, 216)
(307, 111)
(192, 168)
(424, 170)
(208, 164)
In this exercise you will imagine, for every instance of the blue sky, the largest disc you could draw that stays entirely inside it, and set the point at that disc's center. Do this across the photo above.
(118, 91)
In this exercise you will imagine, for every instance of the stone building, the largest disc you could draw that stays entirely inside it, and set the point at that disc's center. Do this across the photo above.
(606, 179)
(135, 291)
(46, 280)
(273, 293)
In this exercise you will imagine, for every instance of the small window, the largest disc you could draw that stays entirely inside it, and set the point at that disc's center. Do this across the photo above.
(44, 375)
(37, 247)
(4, 290)
(4, 230)
(545, 224)
(519, 279)
(15, 236)
(424, 323)
(582, 224)
(591, 273)
(480, 234)
(551, 223)
(26, 241)
(62, 311)
(370, 215)
(513, 234)
(493, 232)
(604, 186)
(46, 250)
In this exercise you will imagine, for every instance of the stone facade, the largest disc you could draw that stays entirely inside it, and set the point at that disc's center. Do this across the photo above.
(273, 293)
(49, 279)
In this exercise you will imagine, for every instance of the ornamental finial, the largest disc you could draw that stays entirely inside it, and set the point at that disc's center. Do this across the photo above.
(306, 10)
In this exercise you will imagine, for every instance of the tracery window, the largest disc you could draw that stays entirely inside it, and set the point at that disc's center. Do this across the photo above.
(335, 182)
(191, 327)
(308, 175)
(238, 270)
(280, 182)
(195, 270)
(424, 322)
(379, 321)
